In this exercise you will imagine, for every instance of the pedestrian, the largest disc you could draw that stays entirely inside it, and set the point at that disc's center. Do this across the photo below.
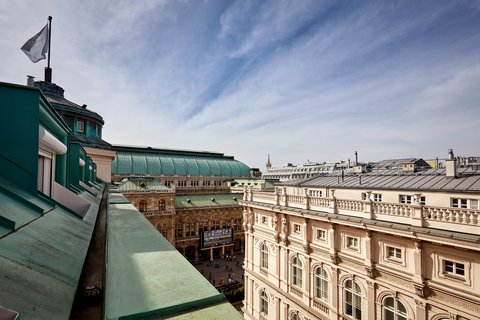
(221, 282)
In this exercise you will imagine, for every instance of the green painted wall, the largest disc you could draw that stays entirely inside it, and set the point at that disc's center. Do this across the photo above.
(23, 110)
(19, 135)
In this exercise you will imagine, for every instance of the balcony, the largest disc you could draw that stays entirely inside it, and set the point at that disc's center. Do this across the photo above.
(415, 214)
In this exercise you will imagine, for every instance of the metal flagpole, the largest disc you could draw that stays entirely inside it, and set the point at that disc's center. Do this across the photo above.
(48, 70)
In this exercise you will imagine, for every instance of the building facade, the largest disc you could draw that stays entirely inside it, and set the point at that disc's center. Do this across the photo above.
(85, 128)
(186, 196)
(366, 246)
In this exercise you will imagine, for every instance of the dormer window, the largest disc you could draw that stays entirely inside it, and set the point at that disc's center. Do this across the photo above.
(80, 126)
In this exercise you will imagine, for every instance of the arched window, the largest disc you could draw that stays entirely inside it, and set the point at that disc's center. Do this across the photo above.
(161, 205)
(393, 309)
(297, 272)
(143, 205)
(264, 256)
(320, 285)
(353, 299)
(263, 302)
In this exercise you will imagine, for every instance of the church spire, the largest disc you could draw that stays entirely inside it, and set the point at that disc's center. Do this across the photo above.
(268, 164)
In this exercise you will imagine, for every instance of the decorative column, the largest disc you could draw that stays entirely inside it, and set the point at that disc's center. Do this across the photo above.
(333, 245)
(197, 232)
(196, 254)
(277, 308)
(284, 236)
(420, 310)
(371, 298)
(418, 278)
(335, 295)
(369, 265)
(306, 236)
(275, 227)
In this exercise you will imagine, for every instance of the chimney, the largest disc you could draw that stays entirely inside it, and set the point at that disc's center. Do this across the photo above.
(356, 158)
(450, 164)
(30, 81)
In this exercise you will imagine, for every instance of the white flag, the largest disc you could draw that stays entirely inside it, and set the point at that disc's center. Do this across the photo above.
(36, 47)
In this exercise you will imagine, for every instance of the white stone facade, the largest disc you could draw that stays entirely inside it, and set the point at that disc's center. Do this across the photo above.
(406, 255)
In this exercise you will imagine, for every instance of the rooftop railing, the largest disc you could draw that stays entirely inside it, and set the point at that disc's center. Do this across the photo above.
(415, 214)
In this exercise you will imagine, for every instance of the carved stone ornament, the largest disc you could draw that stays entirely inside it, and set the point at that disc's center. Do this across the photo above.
(307, 248)
(277, 238)
(420, 289)
(420, 303)
(371, 271)
(334, 258)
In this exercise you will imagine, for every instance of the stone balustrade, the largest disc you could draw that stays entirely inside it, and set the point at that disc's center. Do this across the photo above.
(158, 213)
(414, 214)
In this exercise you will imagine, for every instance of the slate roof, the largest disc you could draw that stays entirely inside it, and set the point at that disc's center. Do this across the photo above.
(430, 180)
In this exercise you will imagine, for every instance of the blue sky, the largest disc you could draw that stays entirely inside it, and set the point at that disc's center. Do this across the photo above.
(299, 80)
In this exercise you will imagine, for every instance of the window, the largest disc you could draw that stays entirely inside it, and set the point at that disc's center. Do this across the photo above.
(297, 228)
(264, 256)
(143, 206)
(182, 183)
(394, 253)
(189, 229)
(393, 309)
(320, 285)
(80, 126)
(315, 193)
(206, 183)
(45, 175)
(263, 303)
(352, 299)
(453, 268)
(352, 243)
(194, 183)
(297, 272)
(168, 183)
(264, 220)
(161, 205)
(377, 197)
(179, 230)
(321, 234)
(405, 199)
(465, 203)
(217, 183)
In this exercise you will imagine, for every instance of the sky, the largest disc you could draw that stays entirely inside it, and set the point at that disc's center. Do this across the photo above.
(298, 80)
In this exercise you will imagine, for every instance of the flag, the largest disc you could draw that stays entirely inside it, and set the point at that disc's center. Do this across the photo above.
(36, 47)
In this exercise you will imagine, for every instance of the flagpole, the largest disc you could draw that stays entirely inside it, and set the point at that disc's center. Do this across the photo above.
(48, 70)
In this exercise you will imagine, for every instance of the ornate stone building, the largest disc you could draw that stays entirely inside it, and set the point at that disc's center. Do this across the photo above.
(186, 196)
(401, 246)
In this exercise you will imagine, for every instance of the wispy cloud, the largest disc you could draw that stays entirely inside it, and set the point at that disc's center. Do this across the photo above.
(298, 80)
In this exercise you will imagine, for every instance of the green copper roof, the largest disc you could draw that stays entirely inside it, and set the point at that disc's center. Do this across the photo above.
(207, 200)
(147, 278)
(142, 184)
(42, 259)
(148, 161)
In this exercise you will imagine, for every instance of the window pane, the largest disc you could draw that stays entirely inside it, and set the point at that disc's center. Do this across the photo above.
(389, 315)
(401, 308)
(389, 302)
